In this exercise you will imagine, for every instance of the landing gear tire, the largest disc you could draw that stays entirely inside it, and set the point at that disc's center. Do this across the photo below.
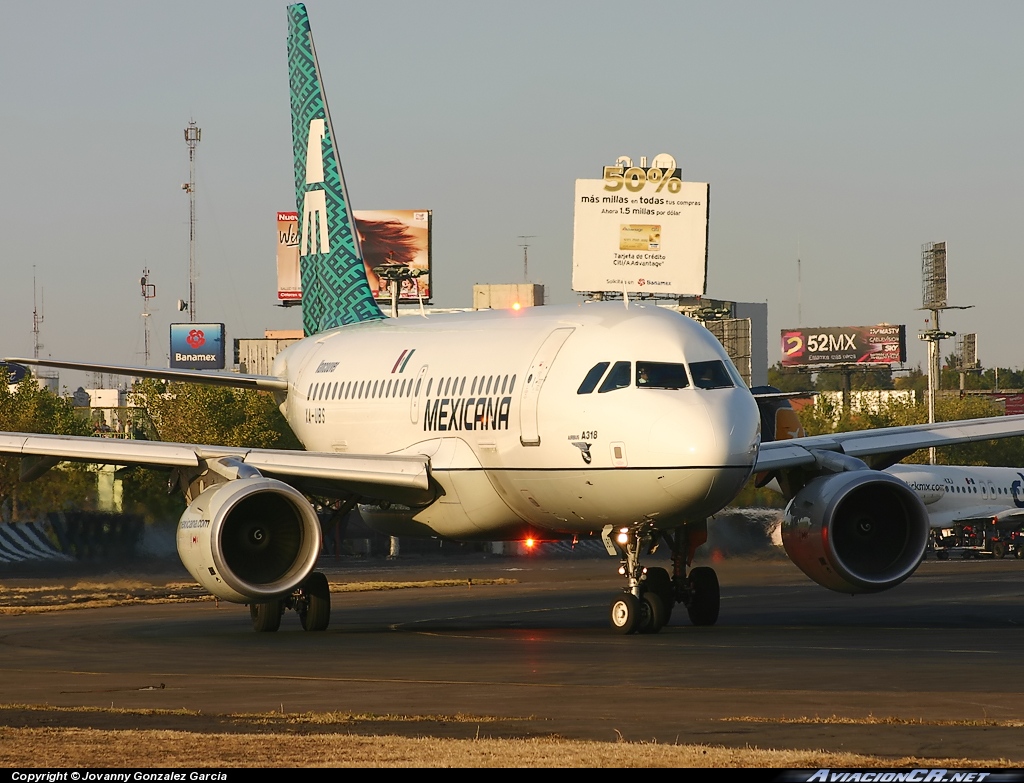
(625, 613)
(659, 582)
(704, 596)
(655, 614)
(315, 609)
(266, 617)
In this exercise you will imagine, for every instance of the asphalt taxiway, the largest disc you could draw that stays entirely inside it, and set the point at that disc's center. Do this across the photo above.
(931, 668)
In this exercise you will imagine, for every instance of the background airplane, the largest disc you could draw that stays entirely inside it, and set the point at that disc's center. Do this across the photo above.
(969, 506)
(624, 421)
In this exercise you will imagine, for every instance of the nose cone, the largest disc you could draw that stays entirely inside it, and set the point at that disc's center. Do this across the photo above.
(737, 424)
(717, 428)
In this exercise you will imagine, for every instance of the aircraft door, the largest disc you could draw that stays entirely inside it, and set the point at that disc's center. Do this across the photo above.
(529, 432)
(414, 407)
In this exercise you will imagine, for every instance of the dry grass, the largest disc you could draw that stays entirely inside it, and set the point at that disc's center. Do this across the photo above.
(289, 743)
(875, 720)
(91, 595)
(49, 747)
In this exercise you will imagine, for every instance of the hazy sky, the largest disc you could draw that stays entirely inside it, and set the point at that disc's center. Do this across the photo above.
(851, 133)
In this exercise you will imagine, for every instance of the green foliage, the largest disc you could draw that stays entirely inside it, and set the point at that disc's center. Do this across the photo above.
(789, 380)
(193, 413)
(29, 408)
(217, 415)
(824, 417)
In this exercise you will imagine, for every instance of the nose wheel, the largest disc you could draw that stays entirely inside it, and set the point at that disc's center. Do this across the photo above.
(646, 603)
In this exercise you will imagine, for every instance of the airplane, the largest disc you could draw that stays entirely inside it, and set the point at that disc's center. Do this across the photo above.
(988, 500)
(618, 419)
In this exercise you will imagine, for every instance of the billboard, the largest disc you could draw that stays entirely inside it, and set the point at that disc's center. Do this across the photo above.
(882, 344)
(400, 236)
(197, 346)
(289, 284)
(642, 231)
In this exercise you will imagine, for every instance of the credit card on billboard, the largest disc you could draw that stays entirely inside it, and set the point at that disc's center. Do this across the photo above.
(639, 236)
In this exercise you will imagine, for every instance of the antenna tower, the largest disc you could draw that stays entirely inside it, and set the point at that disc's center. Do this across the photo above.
(524, 245)
(37, 316)
(934, 300)
(192, 136)
(148, 292)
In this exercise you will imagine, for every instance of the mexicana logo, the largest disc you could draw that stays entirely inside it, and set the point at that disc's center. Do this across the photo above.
(314, 202)
(1015, 489)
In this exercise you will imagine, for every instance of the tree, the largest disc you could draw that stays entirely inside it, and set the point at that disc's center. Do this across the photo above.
(217, 415)
(28, 407)
(823, 418)
(194, 413)
(789, 380)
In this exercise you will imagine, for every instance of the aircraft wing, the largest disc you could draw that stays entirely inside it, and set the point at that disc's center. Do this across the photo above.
(887, 445)
(398, 478)
(235, 379)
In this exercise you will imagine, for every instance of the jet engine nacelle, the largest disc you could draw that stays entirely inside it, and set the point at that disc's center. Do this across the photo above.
(860, 531)
(249, 540)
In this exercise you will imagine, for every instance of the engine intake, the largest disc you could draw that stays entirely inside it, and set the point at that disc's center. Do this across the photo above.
(249, 539)
(860, 531)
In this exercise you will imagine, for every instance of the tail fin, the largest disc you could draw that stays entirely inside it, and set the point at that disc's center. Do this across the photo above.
(335, 291)
(778, 419)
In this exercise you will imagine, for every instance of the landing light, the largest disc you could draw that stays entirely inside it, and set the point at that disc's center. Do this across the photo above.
(516, 306)
(623, 536)
(530, 543)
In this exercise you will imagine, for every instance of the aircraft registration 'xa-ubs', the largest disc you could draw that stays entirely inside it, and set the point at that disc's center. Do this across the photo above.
(630, 422)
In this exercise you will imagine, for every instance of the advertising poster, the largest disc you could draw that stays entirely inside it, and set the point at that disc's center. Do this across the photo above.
(399, 236)
(641, 231)
(289, 284)
(197, 346)
(882, 344)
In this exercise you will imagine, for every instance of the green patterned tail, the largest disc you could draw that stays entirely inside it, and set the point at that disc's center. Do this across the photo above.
(334, 287)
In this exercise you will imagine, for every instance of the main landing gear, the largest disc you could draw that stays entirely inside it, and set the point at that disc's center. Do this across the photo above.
(645, 605)
(311, 601)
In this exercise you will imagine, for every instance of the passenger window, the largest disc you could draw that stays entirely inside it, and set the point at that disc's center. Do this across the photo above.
(710, 375)
(661, 375)
(618, 377)
(595, 375)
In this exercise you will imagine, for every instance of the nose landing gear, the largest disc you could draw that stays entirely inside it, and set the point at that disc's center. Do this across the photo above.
(645, 605)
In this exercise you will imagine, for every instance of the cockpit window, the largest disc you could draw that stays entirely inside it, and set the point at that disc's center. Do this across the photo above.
(710, 375)
(660, 375)
(618, 378)
(590, 382)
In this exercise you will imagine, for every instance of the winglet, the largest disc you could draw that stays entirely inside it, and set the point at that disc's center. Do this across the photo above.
(335, 291)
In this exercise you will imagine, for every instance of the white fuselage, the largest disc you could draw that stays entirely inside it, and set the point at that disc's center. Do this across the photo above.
(493, 399)
(952, 493)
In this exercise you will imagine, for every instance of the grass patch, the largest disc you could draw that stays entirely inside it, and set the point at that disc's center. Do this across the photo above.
(875, 720)
(92, 595)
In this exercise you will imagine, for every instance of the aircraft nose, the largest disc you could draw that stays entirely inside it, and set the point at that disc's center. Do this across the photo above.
(738, 426)
(718, 430)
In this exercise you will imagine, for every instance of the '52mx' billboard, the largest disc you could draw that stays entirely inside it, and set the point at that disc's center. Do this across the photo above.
(882, 344)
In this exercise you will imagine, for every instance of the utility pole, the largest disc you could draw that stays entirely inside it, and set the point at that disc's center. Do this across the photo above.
(192, 135)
